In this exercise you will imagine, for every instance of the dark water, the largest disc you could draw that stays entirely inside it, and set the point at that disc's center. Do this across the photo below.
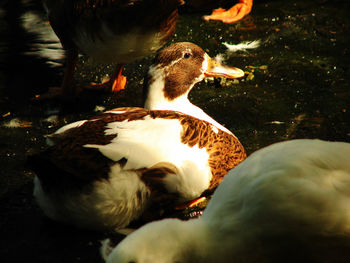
(298, 87)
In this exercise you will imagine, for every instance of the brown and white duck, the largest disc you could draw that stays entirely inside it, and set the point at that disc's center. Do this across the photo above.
(107, 171)
(110, 31)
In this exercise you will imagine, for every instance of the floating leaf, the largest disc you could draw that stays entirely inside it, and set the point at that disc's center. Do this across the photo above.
(250, 76)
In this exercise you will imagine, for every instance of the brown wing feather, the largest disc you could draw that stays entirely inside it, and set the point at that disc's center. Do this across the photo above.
(69, 158)
(153, 177)
(161, 199)
(68, 161)
(225, 150)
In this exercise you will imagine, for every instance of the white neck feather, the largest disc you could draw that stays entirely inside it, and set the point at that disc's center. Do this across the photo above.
(157, 101)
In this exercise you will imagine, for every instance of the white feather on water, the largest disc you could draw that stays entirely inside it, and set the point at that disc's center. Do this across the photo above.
(243, 46)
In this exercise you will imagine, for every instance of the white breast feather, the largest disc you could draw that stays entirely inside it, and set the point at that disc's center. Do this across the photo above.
(147, 142)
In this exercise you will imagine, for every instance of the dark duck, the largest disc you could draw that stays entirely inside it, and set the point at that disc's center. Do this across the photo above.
(119, 31)
(110, 31)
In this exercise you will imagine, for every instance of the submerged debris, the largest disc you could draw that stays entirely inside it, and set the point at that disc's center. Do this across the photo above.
(17, 123)
(99, 108)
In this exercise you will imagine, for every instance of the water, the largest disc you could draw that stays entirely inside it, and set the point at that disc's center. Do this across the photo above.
(297, 87)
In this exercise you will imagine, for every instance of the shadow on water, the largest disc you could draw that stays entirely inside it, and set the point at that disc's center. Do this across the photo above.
(296, 86)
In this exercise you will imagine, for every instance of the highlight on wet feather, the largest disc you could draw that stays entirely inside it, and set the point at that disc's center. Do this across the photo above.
(243, 46)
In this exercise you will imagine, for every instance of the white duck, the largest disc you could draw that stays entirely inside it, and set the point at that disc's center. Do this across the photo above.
(105, 172)
(289, 202)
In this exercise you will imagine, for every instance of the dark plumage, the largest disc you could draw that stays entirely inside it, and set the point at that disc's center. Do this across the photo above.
(118, 31)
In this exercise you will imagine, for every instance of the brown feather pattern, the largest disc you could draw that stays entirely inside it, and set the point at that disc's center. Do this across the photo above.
(183, 73)
(153, 178)
(70, 159)
(161, 199)
(225, 150)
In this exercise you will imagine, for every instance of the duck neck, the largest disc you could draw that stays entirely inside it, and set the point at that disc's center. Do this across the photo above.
(156, 100)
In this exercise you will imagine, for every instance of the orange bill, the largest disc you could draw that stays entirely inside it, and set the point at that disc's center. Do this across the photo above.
(216, 69)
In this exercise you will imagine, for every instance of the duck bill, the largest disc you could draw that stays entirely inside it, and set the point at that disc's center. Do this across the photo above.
(216, 69)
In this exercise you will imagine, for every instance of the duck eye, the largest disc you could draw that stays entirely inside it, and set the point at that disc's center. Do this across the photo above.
(187, 55)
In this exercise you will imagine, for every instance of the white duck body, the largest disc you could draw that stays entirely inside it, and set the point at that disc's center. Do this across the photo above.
(105, 172)
(289, 202)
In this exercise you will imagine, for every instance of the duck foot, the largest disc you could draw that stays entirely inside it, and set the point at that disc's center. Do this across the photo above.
(116, 83)
(235, 13)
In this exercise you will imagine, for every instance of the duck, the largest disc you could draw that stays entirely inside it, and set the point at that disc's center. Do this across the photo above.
(288, 202)
(230, 15)
(130, 162)
(114, 31)
(109, 31)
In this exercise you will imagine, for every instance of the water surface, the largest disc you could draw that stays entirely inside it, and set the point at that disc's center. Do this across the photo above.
(296, 86)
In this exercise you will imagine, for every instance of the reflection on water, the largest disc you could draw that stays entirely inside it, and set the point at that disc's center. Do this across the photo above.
(296, 86)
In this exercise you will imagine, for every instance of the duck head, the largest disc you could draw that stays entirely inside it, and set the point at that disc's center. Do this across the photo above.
(175, 71)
